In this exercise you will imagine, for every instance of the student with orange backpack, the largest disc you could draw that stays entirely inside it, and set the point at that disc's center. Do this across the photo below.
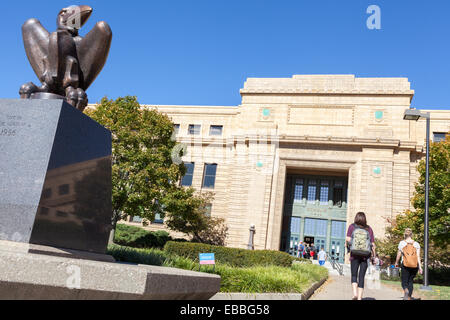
(409, 251)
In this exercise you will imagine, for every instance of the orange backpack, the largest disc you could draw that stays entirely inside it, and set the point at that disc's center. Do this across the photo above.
(410, 256)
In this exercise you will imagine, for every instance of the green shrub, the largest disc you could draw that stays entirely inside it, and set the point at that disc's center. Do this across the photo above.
(257, 279)
(436, 276)
(139, 238)
(295, 278)
(150, 256)
(231, 256)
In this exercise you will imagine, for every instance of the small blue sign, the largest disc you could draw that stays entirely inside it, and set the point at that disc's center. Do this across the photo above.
(266, 112)
(207, 258)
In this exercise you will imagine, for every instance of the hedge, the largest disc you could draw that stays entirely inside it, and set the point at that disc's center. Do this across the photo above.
(232, 256)
(436, 276)
(139, 238)
(296, 278)
(148, 256)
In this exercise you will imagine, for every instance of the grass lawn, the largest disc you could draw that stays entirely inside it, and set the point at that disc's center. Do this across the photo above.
(438, 293)
(257, 279)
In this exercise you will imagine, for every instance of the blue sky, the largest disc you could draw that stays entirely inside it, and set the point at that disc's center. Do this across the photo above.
(199, 52)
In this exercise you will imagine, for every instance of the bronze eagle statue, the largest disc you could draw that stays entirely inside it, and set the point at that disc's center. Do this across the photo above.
(65, 63)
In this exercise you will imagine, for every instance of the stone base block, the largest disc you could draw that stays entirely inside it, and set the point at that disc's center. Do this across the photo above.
(52, 251)
(42, 277)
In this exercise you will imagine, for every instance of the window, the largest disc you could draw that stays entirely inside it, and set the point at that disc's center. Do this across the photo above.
(61, 214)
(208, 209)
(44, 211)
(176, 128)
(194, 129)
(309, 227)
(63, 189)
(209, 177)
(338, 229)
(47, 193)
(298, 190)
(311, 191)
(186, 181)
(338, 193)
(215, 130)
(323, 192)
(439, 136)
(316, 227)
(295, 225)
(321, 228)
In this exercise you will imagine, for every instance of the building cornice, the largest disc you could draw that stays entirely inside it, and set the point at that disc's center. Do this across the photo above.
(328, 85)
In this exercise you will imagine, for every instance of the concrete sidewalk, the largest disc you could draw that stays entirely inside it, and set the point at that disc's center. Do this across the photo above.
(339, 288)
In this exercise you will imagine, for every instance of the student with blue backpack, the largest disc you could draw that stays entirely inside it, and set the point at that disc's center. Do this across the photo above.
(360, 244)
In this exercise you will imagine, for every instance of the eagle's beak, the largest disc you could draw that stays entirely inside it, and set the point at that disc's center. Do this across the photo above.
(85, 13)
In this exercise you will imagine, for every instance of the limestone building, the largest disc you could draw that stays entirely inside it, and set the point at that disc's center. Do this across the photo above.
(301, 156)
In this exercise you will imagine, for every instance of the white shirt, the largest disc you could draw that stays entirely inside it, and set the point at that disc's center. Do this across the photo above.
(403, 244)
(321, 255)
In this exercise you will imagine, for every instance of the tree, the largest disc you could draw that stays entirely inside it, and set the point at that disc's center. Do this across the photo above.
(439, 194)
(143, 172)
(439, 208)
(215, 233)
(146, 170)
(191, 217)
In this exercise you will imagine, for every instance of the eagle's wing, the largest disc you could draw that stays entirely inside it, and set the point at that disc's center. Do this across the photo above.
(93, 51)
(36, 41)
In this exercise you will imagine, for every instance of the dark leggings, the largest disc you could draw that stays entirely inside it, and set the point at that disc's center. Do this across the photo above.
(408, 275)
(361, 264)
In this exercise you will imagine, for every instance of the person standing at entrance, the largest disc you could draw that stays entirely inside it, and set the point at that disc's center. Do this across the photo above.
(301, 250)
(322, 256)
(312, 252)
(361, 242)
(409, 251)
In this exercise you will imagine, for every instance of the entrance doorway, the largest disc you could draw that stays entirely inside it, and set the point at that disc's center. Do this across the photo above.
(315, 212)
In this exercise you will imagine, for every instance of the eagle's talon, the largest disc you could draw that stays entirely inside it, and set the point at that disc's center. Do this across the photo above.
(71, 96)
(77, 98)
(82, 99)
(27, 89)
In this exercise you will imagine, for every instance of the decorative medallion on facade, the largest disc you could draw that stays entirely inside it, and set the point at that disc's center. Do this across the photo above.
(377, 171)
(266, 114)
(379, 116)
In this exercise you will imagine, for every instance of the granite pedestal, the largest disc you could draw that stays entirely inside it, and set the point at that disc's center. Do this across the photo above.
(55, 213)
(55, 176)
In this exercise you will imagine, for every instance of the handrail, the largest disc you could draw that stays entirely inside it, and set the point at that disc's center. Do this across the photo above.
(336, 265)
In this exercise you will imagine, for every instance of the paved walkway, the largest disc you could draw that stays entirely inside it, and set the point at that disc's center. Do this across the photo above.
(339, 288)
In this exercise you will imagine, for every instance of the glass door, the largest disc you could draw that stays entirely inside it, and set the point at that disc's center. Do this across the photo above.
(337, 243)
(294, 240)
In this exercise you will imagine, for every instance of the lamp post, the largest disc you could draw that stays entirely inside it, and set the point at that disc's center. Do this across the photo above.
(250, 245)
(414, 115)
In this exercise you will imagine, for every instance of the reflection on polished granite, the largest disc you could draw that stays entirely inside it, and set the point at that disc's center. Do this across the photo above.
(55, 176)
